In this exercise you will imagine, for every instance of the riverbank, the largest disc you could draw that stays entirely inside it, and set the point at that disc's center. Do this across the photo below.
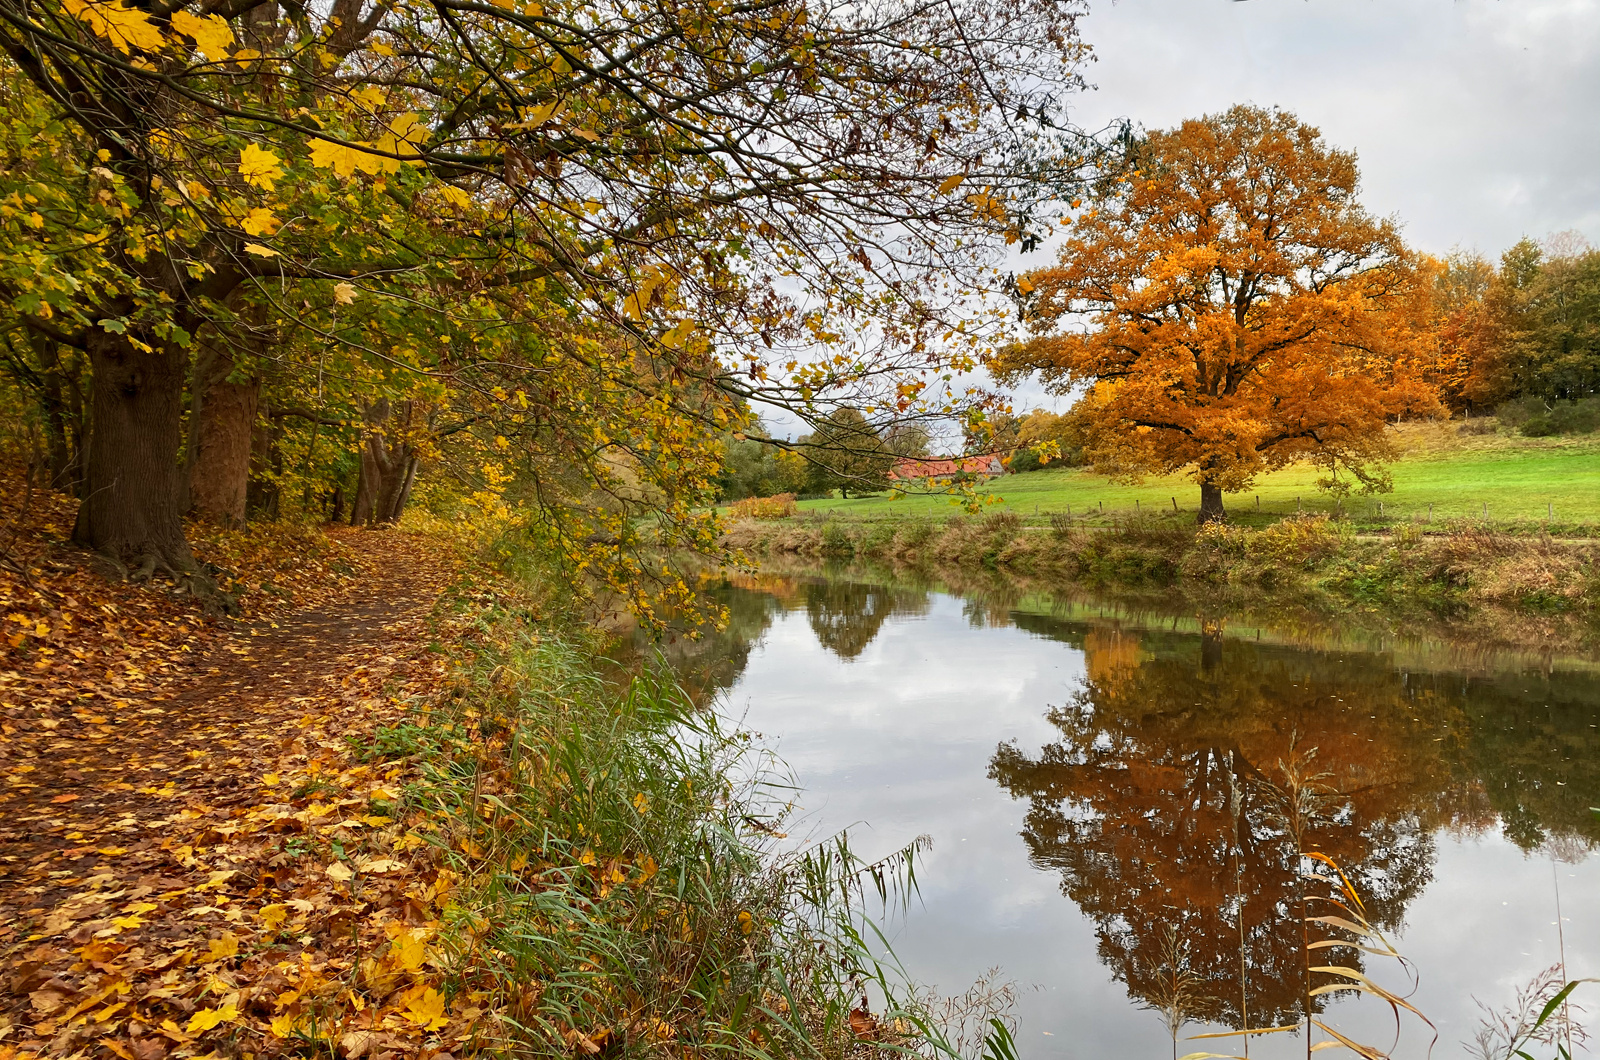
(423, 815)
(617, 883)
(1529, 591)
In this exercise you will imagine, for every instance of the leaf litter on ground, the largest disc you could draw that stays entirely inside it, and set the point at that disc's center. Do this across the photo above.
(194, 859)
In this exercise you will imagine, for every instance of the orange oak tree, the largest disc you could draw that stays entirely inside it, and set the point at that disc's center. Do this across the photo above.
(1226, 305)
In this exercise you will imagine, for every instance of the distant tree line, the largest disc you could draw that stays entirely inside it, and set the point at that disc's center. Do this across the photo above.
(1523, 335)
(846, 453)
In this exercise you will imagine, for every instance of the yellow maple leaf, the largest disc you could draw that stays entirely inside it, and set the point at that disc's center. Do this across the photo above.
(210, 33)
(675, 339)
(260, 251)
(339, 871)
(259, 166)
(207, 1018)
(223, 948)
(328, 155)
(282, 1025)
(408, 952)
(409, 129)
(426, 1009)
(273, 915)
(455, 196)
(379, 164)
(124, 27)
(537, 116)
(259, 222)
(344, 293)
(950, 184)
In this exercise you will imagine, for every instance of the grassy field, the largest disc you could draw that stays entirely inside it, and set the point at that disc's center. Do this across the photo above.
(1517, 481)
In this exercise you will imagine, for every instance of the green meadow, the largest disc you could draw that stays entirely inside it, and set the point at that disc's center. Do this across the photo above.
(1441, 474)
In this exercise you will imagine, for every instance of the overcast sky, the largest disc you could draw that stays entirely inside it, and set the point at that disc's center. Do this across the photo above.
(1475, 121)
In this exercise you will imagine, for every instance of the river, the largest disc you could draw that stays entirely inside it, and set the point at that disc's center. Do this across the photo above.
(1119, 799)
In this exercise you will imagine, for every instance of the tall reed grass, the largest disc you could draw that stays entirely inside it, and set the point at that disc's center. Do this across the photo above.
(617, 881)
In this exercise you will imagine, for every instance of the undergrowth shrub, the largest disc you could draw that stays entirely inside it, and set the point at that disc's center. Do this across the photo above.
(1217, 550)
(913, 536)
(837, 542)
(1304, 540)
(778, 506)
(1564, 417)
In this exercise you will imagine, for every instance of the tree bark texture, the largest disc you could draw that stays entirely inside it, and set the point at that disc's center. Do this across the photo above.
(132, 509)
(266, 465)
(223, 415)
(65, 425)
(388, 464)
(1211, 510)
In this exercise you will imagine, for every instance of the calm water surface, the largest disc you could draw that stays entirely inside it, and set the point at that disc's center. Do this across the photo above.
(1107, 790)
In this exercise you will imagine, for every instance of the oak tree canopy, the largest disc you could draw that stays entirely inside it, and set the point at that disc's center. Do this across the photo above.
(1225, 305)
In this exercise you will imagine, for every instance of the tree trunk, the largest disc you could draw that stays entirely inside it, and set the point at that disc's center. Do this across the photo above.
(1211, 641)
(63, 417)
(266, 465)
(1211, 510)
(223, 415)
(132, 509)
(388, 467)
(361, 509)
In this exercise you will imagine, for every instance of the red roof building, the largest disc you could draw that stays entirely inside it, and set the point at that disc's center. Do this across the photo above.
(912, 469)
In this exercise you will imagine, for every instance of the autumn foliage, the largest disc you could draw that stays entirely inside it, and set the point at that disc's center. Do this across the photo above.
(778, 506)
(1230, 308)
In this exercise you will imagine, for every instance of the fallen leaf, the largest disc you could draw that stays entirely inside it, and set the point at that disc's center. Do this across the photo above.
(208, 1018)
(223, 948)
(426, 1009)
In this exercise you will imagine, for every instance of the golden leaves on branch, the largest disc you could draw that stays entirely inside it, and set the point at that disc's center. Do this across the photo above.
(211, 33)
(259, 221)
(125, 27)
(405, 136)
(259, 166)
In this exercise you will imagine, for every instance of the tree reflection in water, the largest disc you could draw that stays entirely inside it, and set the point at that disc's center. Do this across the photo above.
(847, 615)
(1187, 777)
(1188, 771)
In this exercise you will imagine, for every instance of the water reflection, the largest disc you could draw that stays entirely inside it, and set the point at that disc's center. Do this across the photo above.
(1185, 785)
(847, 615)
(1186, 769)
